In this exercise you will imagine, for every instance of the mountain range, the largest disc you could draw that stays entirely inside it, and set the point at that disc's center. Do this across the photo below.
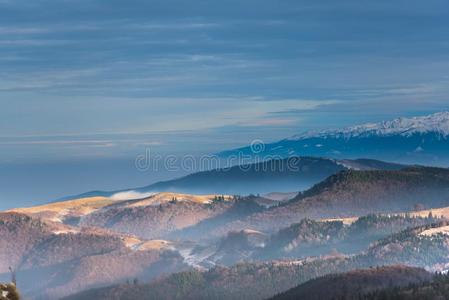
(423, 140)
(298, 162)
(286, 227)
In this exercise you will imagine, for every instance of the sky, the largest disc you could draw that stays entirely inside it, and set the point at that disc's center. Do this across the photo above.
(88, 85)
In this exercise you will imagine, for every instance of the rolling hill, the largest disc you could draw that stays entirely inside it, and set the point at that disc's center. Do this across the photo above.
(355, 284)
(53, 259)
(436, 288)
(262, 280)
(355, 193)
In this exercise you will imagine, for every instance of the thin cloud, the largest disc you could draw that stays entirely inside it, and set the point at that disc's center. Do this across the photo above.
(97, 143)
(23, 30)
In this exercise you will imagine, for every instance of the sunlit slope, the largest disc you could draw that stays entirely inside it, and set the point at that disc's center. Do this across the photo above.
(176, 197)
(71, 211)
(58, 210)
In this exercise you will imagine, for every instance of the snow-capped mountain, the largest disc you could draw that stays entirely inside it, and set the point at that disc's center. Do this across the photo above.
(420, 140)
(436, 123)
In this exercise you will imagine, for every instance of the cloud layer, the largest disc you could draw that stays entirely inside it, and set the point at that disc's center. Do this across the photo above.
(141, 72)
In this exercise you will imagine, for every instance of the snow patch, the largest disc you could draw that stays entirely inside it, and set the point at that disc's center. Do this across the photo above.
(65, 231)
(196, 260)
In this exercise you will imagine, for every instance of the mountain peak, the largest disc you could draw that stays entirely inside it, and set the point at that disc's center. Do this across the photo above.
(434, 123)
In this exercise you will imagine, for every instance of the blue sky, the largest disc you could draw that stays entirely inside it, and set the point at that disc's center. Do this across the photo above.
(84, 80)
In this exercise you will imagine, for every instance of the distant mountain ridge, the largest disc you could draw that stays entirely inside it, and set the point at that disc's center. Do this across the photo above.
(435, 123)
(423, 140)
(276, 175)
